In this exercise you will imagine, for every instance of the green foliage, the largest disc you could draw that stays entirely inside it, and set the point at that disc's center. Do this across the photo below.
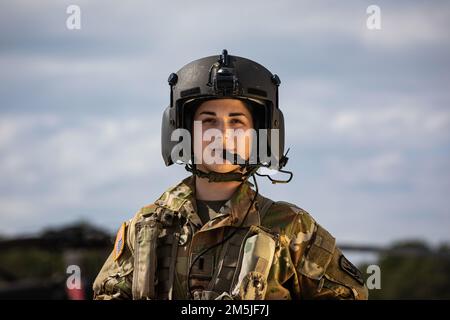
(412, 270)
(31, 263)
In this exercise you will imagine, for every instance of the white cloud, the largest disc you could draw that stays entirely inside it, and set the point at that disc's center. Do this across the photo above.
(403, 123)
(53, 163)
(382, 169)
(326, 114)
(408, 26)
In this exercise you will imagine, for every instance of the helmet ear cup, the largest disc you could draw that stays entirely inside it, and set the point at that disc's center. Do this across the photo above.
(281, 136)
(277, 151)
(167, 128)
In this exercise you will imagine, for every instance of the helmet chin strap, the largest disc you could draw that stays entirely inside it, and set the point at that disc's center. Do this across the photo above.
(245, 170)
(223, 177)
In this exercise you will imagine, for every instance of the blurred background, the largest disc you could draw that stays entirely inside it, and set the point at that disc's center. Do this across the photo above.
(367, 122)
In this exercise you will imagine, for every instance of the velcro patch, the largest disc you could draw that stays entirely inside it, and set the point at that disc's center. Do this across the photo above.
(119, 244)
(353, 271)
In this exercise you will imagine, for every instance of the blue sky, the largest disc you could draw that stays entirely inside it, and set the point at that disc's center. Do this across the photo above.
(367, 112)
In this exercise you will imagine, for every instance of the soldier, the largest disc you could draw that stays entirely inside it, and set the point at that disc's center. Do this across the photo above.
(213, 236)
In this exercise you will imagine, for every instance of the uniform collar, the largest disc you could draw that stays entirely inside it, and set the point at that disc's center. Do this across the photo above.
(181, 198)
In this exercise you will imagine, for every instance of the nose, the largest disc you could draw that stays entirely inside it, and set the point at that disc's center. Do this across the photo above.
(229, 139)
(223, 127)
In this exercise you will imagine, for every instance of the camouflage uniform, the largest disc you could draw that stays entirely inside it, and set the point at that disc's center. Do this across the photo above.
(306, 262)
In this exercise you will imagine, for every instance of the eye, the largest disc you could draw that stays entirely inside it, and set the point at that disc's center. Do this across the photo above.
(236, 121)
(209, 120)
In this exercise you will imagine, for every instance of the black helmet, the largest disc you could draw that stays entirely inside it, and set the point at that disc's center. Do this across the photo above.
(223, 76)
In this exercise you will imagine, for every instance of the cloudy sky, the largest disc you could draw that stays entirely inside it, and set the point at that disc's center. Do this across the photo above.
(367, 111)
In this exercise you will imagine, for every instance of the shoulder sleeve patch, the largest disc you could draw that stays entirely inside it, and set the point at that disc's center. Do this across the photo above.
(119, 244)
(319, 255)
(350, 269)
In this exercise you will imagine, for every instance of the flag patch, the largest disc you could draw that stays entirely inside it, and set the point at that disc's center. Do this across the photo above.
(119, 245)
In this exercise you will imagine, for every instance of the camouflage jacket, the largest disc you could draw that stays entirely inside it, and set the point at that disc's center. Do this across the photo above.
(307, 264)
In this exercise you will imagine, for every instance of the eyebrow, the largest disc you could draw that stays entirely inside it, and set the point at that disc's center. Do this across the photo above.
(231, 114)
(235, 114)
(208, 112)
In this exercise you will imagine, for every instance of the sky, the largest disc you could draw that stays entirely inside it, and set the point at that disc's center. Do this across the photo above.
(367, 111)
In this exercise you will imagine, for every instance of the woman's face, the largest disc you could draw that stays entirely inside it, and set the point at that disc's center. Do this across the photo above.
(233, 120)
